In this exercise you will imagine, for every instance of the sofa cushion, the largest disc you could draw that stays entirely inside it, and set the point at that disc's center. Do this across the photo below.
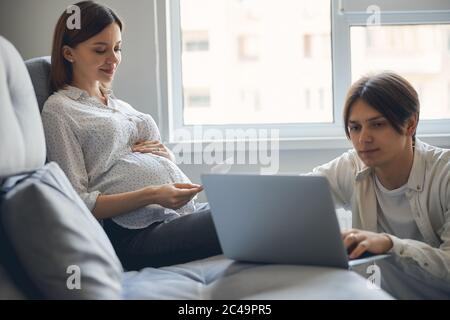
(58, 241)
(219, 278)
(8, 289)
(39, 70)
(14, 280)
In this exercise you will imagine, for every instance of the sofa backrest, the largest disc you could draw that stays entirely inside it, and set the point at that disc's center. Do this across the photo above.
(22, 142)
(39, 70)
(51, 246)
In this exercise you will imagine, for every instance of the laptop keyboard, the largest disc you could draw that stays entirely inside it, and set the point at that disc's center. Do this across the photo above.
(366, 254)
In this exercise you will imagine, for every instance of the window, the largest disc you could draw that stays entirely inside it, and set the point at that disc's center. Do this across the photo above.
(276, 63)
(197, 102)
(417, 52)
(197, 98)
(307, 98)
(321, 98)
(245, 54)
(195, 41)
(248, 48)
(250, 99)
(448, 41)
(448, 98)
(407, 37)
(307, 46)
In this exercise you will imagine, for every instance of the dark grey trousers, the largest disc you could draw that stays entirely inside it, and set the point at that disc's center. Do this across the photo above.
(183, 239)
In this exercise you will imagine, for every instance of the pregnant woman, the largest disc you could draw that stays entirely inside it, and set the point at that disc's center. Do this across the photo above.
(112, 153)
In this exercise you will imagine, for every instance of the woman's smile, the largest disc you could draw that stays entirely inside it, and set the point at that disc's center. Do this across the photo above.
(108, 71)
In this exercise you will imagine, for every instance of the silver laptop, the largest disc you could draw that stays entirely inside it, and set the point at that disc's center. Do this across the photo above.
(277, 219)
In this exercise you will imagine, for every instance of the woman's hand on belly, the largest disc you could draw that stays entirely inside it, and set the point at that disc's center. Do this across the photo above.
(172, 196)
(176, 195)
(154, 147)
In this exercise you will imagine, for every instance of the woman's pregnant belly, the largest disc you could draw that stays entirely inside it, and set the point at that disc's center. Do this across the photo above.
(135, 171)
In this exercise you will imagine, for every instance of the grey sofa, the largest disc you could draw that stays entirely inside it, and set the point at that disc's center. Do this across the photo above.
(53, 248)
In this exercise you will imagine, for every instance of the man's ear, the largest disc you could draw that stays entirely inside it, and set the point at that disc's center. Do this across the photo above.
(411, 124)
(68, 54)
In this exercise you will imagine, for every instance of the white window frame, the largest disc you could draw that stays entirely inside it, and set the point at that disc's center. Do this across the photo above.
(350, 13)
(344, 14)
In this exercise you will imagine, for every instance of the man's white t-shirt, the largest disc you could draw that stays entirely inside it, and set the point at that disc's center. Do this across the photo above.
(394, 212)
(395, 217)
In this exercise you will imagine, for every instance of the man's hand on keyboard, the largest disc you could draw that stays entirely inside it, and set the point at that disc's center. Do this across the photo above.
(358, 242)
